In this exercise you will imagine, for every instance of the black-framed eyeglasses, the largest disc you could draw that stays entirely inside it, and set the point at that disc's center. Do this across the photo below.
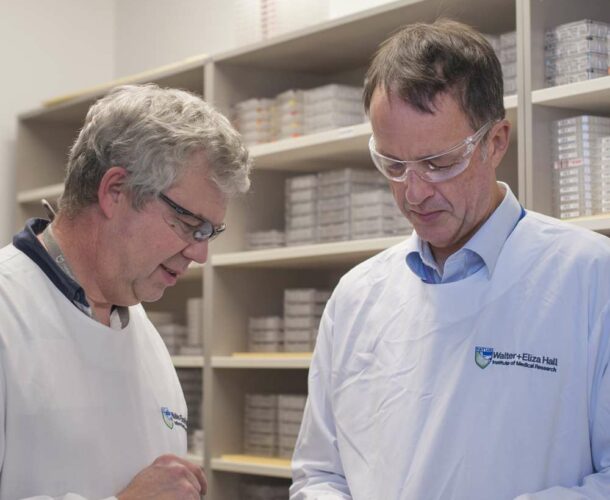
(190, 227)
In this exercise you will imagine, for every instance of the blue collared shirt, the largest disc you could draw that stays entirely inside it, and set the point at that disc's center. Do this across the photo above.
(481, 250)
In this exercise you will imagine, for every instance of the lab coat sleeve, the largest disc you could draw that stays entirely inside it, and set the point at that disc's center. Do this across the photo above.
(68, 496)
(595, 486)
(317, 470)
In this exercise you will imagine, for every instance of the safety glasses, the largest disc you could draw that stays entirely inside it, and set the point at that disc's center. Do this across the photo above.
(435, 168)
(190, 227)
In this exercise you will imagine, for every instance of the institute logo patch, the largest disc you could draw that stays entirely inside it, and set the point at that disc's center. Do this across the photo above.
(170, 418)
(167, 417)
(483, 356)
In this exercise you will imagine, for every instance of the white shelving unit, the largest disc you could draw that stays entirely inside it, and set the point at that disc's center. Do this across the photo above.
(240, 283)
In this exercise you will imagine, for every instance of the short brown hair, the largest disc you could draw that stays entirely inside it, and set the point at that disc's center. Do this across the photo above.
(422, 60)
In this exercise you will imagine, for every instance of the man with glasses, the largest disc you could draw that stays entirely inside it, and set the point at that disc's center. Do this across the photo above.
(470, 361)
(91, 406)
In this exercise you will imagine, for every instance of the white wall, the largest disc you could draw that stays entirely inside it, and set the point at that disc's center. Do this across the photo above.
(152, 33)
(47, 48)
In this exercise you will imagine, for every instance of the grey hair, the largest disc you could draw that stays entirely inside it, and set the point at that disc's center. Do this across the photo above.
(152, 133)
(423, 60)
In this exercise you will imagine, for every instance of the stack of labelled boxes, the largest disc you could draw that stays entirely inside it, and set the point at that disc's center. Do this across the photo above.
(260, 425)
(259, 240)
(505, 46)
(576, 51)
(374, 214)
(297, 112)
(265, 334)
(301, 210)
(290, 415)
(191, 382)
(335, 189)
(303, 309)
(332, 106)
(253, 119)
(271, 423)
(262, 490)
(288, 115)
(577, 165)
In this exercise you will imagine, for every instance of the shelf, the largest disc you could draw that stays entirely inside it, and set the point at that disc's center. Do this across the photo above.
(348, 42)
(195, 459)
(312, 256)
(298, 360)
(249, 464)
(322, 150)
(187, 361)
(599, 223)
(32, 196)
(590, 96)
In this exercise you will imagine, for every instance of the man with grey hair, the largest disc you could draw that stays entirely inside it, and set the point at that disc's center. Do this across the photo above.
(470, 361)
(91, 406)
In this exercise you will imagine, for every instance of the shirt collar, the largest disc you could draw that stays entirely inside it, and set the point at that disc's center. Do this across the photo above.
(487, 242)
(28, 243)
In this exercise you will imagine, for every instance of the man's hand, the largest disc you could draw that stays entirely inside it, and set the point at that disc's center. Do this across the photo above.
(168, 478)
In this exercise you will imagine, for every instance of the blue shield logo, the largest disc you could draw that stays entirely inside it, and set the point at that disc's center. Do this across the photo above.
(168, 418)
(483, 356)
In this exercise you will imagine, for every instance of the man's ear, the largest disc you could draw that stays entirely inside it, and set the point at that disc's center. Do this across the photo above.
(111, 190)
(498, 142)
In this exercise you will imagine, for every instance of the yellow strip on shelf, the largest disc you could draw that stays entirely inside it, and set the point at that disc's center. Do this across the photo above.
(273, 355)
(257, 460)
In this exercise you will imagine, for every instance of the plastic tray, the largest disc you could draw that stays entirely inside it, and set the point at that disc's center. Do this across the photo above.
(301, 221)
(333, 91)
(334, 216)
(301, 346)
(301, 195)
(508, 39)
(306, 295)
(300, 335)
(345, 189)
(304, 208)
(302, 182)
(366, 212)
(577, 77)
(302, 322)
(303, 309)
(580, 29)
(291, 402)
(329, 121)
(265, 323)
(300, 236)
(351, 175)
(337, 106)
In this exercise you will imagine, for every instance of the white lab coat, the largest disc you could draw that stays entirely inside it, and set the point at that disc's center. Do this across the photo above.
(398, 407)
